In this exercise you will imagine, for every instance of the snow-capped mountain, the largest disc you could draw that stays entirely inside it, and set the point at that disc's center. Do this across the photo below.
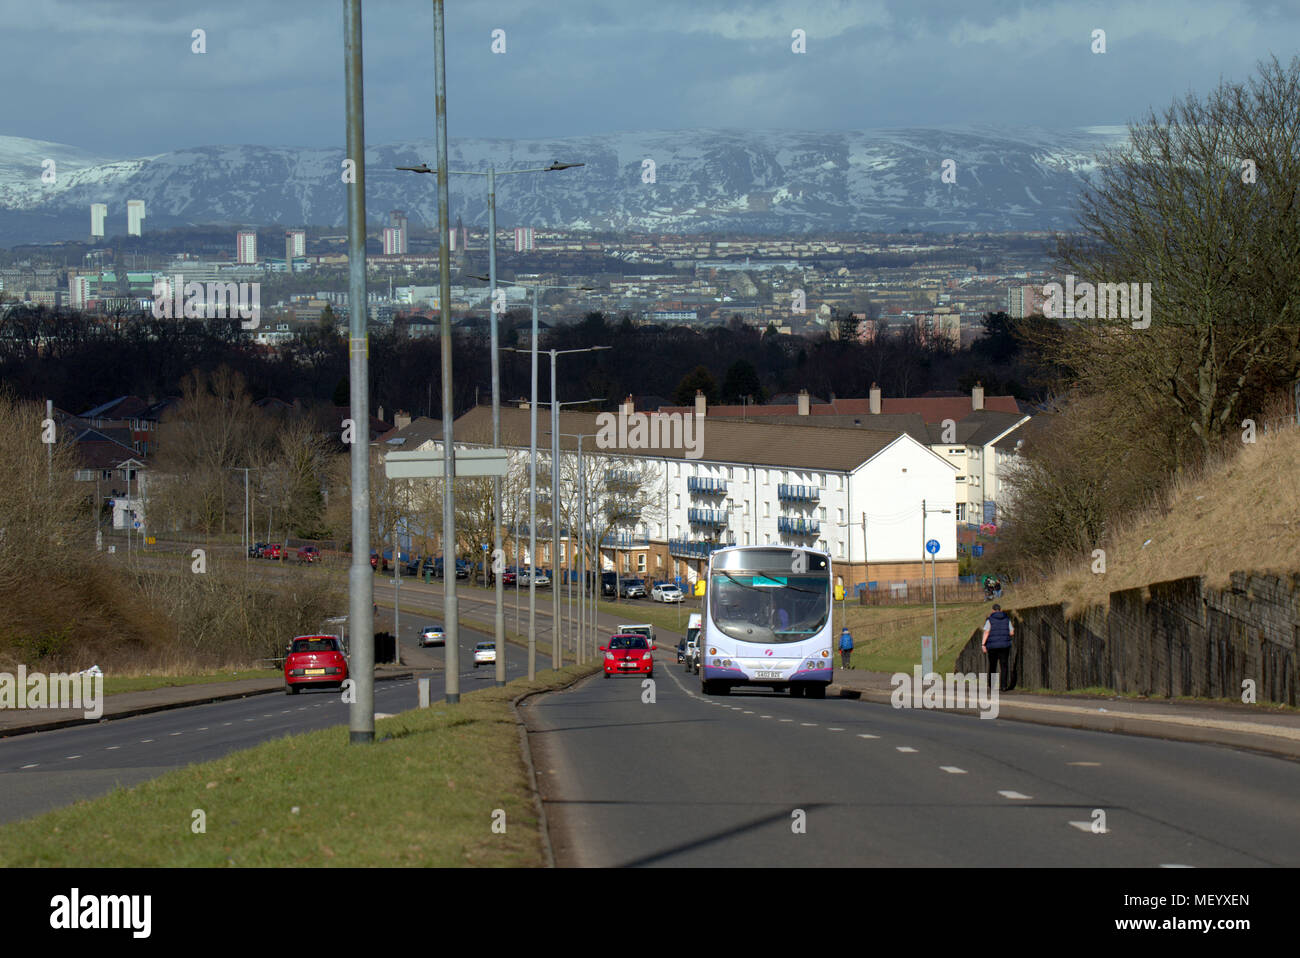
(759, 181)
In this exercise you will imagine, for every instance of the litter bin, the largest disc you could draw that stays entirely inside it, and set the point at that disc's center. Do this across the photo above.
(385, 647)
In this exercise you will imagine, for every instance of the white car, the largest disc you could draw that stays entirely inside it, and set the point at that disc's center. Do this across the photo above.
(665, 592)
(485, 653)
(542, 577)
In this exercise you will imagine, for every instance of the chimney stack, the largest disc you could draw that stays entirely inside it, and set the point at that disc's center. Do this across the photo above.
(701, 403)
(402, 419)
(875, 400)
(379, 413)
(629, 406)
(803, 402)
(977, 397)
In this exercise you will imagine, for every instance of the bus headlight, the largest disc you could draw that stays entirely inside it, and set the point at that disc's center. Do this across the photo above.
(713, 652)
(726, 662)
(825, 652)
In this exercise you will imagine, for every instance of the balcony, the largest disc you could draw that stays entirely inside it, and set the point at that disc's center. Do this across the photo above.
(693, 550)
(798, 526)
(706, 486)
(791, 493)
(622, 479)
(624, 540)
(711, 518)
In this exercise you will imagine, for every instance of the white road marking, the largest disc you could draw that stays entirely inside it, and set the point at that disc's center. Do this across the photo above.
(249, 719)
(787, 720)
(109, 748)
(71, 757)
(808, 724)
(765, 716)
(1177, 866)
(865, 735)
(953, 769)
(232, 723)
(178, 733)
(204, 728)
(1085, 764)
(1014, 795)
(1087, 827)
(145, 741)
(904, 748)
(33, 765)
(834, 729)
(747, 711)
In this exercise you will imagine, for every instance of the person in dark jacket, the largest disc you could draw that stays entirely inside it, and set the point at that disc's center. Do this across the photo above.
(998, 631)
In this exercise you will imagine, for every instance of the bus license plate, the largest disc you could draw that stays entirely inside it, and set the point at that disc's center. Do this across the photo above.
(767, 675)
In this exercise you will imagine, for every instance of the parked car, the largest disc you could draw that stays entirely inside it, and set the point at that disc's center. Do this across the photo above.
(665, 592)
(314, 660)
(274, 551)
(609, 583)
(432, 635)
(255, 550)
(541, 578)
(308, 554)
(485, 653)
(632, 589)
(374, 560)
(629, 655)
(508, 577)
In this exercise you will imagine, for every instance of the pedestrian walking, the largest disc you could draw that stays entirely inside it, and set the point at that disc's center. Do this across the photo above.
(846, 647)
(998, 632)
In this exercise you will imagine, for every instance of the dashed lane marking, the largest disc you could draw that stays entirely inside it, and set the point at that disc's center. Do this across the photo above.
(1014, 795)
(953, 769)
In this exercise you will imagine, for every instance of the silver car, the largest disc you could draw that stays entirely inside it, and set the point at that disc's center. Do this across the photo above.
(432, 635)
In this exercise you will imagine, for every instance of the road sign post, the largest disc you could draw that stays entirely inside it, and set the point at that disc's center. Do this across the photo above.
(927, 655)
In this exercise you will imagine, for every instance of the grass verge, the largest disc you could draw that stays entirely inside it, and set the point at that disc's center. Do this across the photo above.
(425, 794)
(115, 684)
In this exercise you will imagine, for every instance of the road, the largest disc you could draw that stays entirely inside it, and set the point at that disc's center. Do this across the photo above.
(694, 780)
(45, 770)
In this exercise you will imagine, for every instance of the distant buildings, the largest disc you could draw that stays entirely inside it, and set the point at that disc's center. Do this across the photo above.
(246, 247)
(134, 217)
(1024, 301)
(295, 243)
(394, 239)
(397, 222)
(97, 213)
(523, 239)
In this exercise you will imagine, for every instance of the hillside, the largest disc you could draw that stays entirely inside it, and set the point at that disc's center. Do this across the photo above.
(1242, 514)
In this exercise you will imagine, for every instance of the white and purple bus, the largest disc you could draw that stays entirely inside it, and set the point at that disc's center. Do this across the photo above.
(767, 621)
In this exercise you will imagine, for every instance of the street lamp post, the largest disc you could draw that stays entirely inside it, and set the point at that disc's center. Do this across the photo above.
(499, 615)
(581, 482)
(934, 601)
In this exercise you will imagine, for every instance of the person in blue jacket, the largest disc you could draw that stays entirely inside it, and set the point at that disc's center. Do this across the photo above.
(998, 631)
(846, 646)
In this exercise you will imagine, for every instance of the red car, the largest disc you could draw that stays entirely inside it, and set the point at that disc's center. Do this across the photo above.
(314, 660)
(628, 655)
(308, 554)
(273, 551)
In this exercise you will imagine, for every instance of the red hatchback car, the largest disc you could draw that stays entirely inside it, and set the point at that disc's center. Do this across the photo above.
(628, 655)
(314, 660)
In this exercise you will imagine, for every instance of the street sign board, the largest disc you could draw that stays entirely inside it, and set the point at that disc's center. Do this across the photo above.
(932, 546)
(470, 463)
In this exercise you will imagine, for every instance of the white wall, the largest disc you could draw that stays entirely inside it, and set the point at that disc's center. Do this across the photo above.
(890, 489)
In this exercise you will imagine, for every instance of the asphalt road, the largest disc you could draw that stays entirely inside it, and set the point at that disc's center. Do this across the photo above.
(45, 770)
(721, 781)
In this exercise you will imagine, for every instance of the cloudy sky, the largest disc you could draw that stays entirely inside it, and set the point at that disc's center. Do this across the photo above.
(118, 77)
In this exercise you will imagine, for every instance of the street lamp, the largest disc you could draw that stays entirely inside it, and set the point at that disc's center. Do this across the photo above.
(934, 601)
(580, 479)
(532, 485)
(491, 174)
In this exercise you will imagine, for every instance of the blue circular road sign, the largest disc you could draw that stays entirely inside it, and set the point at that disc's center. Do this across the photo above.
(932, 546)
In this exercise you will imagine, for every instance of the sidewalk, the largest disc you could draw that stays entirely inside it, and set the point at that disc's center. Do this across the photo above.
(1239, 726)
(126, 704)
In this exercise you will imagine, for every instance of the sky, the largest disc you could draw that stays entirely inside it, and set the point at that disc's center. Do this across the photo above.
(120, 77)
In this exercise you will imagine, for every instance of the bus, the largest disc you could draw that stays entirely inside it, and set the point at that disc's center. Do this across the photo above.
(767, 621)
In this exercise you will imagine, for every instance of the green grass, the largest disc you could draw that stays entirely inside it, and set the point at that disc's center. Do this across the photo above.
(423, 795)
(114, 684)
(887, 638)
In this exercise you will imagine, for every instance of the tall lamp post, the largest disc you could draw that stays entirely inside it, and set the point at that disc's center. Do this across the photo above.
(934, 601)
(532, 484)
(580, 480)
(491, 174)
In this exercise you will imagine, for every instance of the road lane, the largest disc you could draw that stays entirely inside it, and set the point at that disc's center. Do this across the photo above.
(696, 780)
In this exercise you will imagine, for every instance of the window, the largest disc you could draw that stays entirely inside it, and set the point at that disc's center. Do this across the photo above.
(841, 550)
(961, 512)
(821, 513)
(746, 538)
(840, 514)
(767, 509)
(640, 562)
(961, 478)
(677, 501)
(767, 538)
(659, 561)
(841, 483)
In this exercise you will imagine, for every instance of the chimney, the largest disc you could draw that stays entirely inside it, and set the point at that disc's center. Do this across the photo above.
(803, 402)
(629, 406)
(701, 403)
(875, 400)
(379, 413)
(402, 420)
(977, 396)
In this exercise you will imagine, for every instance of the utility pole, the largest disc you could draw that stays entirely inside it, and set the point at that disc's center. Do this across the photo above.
(452, 656)
(361, 721)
